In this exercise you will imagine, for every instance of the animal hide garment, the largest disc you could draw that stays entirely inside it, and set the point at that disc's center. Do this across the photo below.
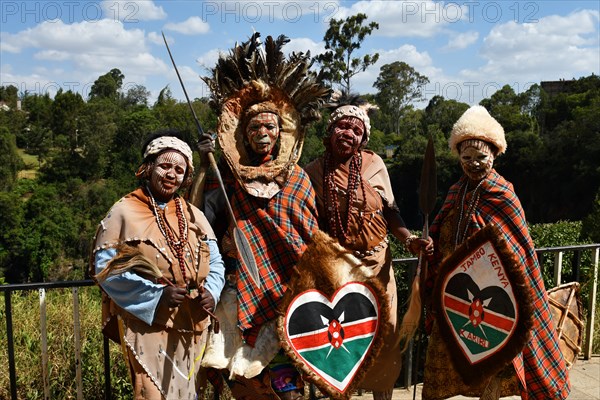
(483, 305)
(226, 350)
(330, 321)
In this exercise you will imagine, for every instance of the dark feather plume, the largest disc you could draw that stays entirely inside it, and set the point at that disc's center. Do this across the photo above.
(252, 60)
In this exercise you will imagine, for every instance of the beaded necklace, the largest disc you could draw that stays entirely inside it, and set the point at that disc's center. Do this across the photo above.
(177, 246)
(338, 226)
(460, 237)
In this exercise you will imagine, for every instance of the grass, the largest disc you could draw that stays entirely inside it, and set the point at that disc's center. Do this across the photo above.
(61, 348)
(31, 165)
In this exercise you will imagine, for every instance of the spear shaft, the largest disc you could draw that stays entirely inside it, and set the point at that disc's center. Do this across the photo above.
(241, 243)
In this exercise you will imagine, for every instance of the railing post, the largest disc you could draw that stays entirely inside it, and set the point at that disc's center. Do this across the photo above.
(44, 333)
(77, 337)
(589, 329)
(106, 347)
(11, 345)
(558, 257)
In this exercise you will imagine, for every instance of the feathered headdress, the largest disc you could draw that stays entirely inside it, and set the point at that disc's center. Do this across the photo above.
(252, 79)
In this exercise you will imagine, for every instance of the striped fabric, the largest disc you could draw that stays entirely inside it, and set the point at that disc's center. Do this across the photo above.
(540, 367)
(277, 229)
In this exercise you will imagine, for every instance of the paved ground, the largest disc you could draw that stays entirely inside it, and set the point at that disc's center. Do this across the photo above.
(585, 384)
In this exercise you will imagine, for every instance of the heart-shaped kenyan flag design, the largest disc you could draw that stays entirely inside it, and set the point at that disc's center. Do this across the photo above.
(479, 304)
(333, 336)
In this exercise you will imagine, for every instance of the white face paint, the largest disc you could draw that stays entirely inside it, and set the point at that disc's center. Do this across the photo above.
(167, 174)
(346, 137)
(476, 163)
(262, 132)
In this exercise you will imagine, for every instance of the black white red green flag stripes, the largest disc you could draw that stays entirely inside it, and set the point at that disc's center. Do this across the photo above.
(483, 305)
(332, 336)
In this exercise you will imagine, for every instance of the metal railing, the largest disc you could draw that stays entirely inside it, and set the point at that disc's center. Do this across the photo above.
(557, 252)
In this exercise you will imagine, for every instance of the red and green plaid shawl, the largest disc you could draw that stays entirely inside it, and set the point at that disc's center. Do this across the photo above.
(277, 229)
(540, 367)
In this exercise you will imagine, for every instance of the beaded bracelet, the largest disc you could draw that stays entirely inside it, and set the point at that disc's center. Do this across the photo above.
(411, 238)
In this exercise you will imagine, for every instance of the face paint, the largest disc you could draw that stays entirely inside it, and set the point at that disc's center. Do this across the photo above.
(476, 163)
(262, 132)
(167, 174)
(346, 137)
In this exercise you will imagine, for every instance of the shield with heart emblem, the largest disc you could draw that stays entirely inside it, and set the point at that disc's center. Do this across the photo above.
(330, 324)
(483, 303)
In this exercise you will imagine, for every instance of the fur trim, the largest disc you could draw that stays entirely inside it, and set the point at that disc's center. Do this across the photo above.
(494, 363)
(254, 78)
(477, 123)
(327, 266)
(226, 349)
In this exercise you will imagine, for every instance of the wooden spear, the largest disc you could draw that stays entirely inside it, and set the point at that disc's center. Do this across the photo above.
(241, 243)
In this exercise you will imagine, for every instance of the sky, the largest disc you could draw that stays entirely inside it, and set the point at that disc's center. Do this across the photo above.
(467, 50)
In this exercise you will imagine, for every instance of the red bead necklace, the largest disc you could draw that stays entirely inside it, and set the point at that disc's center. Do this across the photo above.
(339, 227)
(177, 246)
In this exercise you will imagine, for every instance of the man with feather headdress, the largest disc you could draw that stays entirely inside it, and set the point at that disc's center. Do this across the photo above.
(264, 102)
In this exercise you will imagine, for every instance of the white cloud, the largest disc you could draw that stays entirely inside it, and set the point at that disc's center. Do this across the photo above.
(90, 49)
(209, 59)
(191, 26)
(420, 61)
(132, 11)
(461, 41)
(257, 12)
(554, 47)
(156, 38)
(303, 45)
(407, 18)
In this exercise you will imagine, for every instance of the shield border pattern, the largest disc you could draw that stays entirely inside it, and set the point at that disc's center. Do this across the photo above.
(492, 363)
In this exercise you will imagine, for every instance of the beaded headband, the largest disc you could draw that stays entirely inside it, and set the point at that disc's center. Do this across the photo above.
(170, 142)
(476, 143)
(351, 111)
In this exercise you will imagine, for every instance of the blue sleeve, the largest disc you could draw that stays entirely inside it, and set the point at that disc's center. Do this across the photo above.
(216, 276)
(131, 292)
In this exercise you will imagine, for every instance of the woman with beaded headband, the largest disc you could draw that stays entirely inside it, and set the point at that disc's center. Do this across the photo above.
(483, 197)
(264, 102)
(157, 262)
(356, 206)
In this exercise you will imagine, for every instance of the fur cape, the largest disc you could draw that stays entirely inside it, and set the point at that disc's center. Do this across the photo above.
(326, 266)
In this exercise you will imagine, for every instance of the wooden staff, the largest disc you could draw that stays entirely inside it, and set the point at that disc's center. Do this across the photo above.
(241, 243)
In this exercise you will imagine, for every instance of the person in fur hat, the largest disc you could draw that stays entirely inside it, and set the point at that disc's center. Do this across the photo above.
(264, 102)
(357, 207)
(482, 197)
(156, 259)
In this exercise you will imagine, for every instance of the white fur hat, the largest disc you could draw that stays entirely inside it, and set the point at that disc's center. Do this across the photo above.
(477, 123)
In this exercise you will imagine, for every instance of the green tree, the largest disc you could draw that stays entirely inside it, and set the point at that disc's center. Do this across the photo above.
(508, 109)
(342, 39)
(441, 114)
(108, 85)
(590, 228)
(398, 85)
(136, 96)
(10, 161)
(65, 115)
(9, 95)
(11, 215)
(98, 124)
(125, 148)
